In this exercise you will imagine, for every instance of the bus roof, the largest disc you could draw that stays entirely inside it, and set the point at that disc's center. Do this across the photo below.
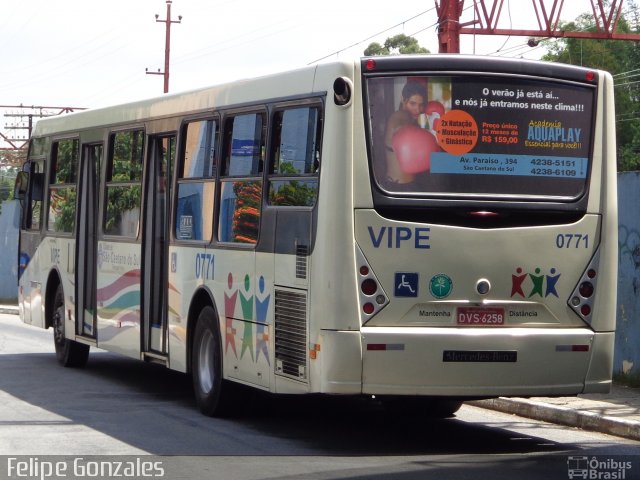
(303, 81)
(279, 85)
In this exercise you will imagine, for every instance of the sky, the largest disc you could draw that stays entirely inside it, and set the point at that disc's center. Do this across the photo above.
(85, 53)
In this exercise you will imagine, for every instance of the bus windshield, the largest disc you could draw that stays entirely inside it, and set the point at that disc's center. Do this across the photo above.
(480, 136)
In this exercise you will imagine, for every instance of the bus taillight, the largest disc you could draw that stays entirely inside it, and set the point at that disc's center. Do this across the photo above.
(581, 300)
(371, 295)
(586, 289)
(369, 286)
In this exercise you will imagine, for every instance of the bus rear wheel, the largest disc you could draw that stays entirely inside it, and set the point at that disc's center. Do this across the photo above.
(68, 352)
(425, 407)
(214, 395)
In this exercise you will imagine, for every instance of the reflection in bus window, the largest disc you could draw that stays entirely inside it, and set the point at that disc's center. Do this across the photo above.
(244, 146)
(296, 157)
(199, 151)
(33, 218)
(240, 208)
(193, 210)
(241, 199)
(196, 182)
(62, 189)
(124, 181)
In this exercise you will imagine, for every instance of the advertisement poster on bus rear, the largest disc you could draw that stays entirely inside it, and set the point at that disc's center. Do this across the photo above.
(471, 134)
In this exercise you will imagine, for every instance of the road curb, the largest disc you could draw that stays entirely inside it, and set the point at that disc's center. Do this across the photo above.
(564, 416)
(9, 310)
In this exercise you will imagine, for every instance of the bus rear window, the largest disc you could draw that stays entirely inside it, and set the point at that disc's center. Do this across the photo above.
(480, 136)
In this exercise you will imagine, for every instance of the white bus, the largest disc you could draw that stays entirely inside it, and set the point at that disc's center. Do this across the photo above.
(428, 228)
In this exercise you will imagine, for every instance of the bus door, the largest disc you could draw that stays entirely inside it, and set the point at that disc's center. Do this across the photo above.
(87, 239)
(155, 243)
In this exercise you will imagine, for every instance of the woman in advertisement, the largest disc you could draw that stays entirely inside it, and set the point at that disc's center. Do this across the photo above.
(410, 136)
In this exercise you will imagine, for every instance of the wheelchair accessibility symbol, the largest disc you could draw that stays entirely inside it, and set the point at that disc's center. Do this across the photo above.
(406, 284)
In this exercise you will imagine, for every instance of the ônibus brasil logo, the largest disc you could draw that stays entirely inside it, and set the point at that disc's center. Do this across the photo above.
(594, 468)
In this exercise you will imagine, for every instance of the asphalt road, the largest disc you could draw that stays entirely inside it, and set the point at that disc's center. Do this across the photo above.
(119, 407)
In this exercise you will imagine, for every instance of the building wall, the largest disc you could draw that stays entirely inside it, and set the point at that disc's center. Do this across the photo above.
(627, 351)
(9, 222)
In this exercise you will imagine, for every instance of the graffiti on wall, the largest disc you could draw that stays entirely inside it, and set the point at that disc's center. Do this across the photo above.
(629, 251)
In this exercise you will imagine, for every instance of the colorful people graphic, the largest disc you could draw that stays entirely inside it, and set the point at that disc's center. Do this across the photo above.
(262, 336)
(517, 281)
(537, 280)
(247, 314)
(538, 283)
(551, 283)
(229, 312)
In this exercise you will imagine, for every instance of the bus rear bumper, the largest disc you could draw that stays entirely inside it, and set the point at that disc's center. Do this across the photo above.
(476, 362)
(470, 362)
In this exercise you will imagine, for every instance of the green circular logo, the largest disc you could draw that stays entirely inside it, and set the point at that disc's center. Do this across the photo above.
(440, 285)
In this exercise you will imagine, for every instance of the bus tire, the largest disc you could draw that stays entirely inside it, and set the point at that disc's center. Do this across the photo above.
(445, 407)
(422, 407)
(213, 394)
(69, 353)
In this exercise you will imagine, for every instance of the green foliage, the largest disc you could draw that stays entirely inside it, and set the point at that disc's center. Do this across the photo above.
(13, 158)
(398, 44)
(62, 210)
(7, 182)
(621, 58)
(121, 200)
(124, 180)
(293, 193)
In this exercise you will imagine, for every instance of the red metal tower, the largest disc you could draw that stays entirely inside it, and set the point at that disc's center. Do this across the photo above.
(487, 13)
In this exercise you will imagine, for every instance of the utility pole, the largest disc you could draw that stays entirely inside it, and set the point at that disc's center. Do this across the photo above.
(167, 45)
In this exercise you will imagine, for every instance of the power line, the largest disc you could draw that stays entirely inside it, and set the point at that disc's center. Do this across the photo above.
(371, 36)
(626, 73)
(627, 83)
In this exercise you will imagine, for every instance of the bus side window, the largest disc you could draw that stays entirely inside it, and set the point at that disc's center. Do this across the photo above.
(124, 183)
(62, 186)
(35, 211)
(241, 182)
(196, 181)
(295, 157)
(34, 195)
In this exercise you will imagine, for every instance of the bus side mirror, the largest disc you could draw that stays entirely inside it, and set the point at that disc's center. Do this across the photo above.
(21, 186)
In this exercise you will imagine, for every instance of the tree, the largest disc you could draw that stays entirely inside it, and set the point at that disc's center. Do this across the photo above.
(398, 44)
(13, 158)
(621, 58)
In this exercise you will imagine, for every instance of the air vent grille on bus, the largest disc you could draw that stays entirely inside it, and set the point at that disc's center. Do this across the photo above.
(302, 254)
(291, 333)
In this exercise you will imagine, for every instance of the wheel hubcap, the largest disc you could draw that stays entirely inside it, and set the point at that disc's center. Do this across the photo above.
(58, 325)
(206, 372)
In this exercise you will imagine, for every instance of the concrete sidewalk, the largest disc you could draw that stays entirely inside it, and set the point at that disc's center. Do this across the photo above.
(9, 309)
(616, 413)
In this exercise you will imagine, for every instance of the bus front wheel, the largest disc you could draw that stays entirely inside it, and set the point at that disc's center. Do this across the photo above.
(68, 352)
(214, 395)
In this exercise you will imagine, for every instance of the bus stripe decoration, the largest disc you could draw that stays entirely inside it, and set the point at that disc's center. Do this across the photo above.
(120, 300)
(132, 277)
